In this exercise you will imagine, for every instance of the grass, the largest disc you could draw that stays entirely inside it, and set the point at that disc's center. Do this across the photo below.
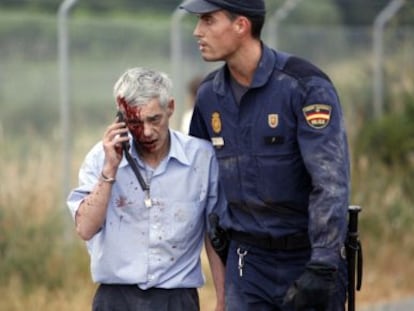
(45, 266)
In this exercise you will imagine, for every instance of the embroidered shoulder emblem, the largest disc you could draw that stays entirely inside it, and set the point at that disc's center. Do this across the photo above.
(216, 122)
(317, 115)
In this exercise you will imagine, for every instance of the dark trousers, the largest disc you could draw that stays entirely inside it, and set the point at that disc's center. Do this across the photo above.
(266, 277)
(117, 297)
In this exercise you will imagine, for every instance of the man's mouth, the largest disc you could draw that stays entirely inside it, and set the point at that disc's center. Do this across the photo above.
(201, 45)
(149, 144)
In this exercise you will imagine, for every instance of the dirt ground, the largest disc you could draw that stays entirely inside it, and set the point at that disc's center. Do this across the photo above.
(387, 277)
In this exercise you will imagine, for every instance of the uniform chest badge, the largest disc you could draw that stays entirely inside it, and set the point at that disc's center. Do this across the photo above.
(216, 122)
(273, 120)
(318, 115)
(218, 142)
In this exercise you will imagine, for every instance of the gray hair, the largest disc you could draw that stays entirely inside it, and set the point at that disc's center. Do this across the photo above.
(137, 86)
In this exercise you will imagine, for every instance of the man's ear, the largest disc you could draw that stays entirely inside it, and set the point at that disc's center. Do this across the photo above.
(170, 107)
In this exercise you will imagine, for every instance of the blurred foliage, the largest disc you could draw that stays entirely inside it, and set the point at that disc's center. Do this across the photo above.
(33, 246)
(95, 6)
(102, 39)
(36, 33)
(350, 12)
(390, 139)
(357, 12)
(315, 12)
(36, 253)
(23, 244)
(384, 167)
(28, 45)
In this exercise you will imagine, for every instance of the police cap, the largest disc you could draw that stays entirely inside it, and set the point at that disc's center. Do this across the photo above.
(242, 7)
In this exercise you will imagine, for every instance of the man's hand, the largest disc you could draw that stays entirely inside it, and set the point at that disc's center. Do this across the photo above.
(112, 143)
(314, 287)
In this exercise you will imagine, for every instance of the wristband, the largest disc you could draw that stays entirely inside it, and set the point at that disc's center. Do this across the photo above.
(110, 180)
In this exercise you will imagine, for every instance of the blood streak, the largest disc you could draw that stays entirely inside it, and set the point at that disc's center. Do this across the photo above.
(132, 113)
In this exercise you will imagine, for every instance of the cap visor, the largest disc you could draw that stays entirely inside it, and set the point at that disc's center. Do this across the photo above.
(199, 6)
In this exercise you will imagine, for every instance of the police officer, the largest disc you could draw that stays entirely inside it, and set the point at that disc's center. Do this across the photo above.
(276, 124)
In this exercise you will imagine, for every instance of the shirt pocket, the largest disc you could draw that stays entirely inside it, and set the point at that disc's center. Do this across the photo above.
(184, 223)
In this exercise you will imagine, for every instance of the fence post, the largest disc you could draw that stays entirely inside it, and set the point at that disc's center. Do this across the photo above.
(63, 57)
(275, 20)
(176, 63)
(378, 46)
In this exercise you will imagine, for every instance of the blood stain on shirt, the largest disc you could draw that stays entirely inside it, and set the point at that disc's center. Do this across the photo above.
(121, 202)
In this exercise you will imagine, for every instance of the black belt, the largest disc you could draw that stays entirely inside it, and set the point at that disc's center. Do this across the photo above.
(287, 242)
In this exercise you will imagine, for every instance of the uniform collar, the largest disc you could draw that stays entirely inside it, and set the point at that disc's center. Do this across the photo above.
(261, 75)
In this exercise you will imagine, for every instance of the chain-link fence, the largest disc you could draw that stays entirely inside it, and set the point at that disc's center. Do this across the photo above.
(100, 49)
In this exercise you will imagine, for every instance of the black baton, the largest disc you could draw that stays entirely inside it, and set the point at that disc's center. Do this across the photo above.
(354, 256)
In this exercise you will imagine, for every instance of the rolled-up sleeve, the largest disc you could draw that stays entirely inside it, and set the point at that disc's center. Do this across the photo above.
(87, 178)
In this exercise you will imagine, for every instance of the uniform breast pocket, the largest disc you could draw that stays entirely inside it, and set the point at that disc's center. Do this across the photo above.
(280, 176)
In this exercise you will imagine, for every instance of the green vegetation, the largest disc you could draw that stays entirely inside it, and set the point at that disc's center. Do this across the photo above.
(29, 89)
(392, 137)
(350, 12)
(45, 266)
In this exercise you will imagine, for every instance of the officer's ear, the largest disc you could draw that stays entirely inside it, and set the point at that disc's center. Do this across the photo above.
(242, 25)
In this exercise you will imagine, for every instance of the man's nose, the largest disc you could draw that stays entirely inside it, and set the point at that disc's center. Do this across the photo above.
(197, 30)
(147, 129)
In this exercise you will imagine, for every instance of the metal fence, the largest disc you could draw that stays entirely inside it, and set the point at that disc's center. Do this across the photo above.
(100, 49)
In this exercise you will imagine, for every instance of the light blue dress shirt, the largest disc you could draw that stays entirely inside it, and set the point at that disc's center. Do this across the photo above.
(157, 246)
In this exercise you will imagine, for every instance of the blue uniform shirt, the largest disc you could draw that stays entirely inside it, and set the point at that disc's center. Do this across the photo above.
(157, 246)
(282, 151)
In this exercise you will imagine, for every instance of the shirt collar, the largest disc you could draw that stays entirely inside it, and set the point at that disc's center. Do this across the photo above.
(176, 151)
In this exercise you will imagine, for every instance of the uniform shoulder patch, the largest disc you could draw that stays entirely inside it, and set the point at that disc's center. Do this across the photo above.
(317, 115)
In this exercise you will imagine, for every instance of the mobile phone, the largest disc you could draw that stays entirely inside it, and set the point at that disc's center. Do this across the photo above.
(125, 144)
(125, 148)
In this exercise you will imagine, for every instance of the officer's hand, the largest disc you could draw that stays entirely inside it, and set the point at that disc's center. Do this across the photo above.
(313, 288)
